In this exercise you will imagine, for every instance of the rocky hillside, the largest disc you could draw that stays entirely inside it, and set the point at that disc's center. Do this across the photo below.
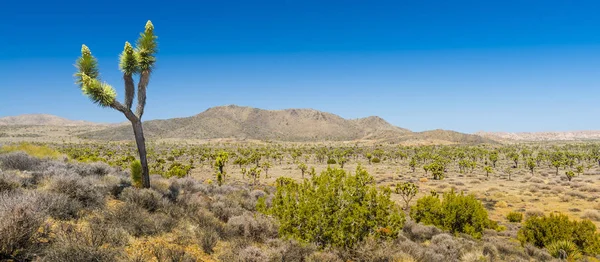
(253, 123)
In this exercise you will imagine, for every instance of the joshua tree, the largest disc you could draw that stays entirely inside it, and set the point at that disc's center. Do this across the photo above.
(488, 170)
(265, 166)
(570, 174)
(133, 61)
(407, 190)
(531, 165)
(302, 166)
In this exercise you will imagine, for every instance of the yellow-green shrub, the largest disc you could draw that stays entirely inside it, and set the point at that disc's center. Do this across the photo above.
(515, 217)
(542, 231)
(39, 151)
(457, 213)
(335, 208)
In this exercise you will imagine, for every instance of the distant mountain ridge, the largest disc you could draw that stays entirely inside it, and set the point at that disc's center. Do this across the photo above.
(542, 136)
(247, 123)
(42, 120)
(252, 123)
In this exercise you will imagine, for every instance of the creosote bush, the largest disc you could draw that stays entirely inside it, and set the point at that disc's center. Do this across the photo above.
(515, 217)
(542, 231)
(19, 161)
(457, 213)
(20, 217)
(335, 208)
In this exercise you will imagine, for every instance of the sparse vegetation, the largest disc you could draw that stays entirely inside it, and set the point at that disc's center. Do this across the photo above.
(184, 209)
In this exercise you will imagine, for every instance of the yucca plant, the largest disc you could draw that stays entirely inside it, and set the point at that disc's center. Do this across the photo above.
(564, 249)
(133, 61)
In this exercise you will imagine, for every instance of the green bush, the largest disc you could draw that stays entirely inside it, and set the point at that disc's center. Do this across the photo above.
(542, 231)
(136, 173)
(515, 217)
(331, 161)
(336, 209)
(457, 213)
(375, 160)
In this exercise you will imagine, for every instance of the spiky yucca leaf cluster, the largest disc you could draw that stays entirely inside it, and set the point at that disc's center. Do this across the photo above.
(101, 94)
(564, 249)
(146, 48)
(86, 65)
(128, 62)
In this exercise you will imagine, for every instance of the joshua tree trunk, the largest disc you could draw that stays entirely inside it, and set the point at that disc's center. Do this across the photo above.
(138, 131)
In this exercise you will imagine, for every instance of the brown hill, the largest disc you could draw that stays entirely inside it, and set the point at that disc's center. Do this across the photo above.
(41, 120)
(440, 136)
(253, 123)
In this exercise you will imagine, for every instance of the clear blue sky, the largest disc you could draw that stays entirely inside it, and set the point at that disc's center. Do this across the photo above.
(460, 65)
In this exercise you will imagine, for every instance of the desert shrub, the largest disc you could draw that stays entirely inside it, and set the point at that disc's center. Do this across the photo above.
(537, 253)
(224, 207)
(189, 185)
(8, 183)
(73, 251)
(92, 169)
(417, 251)
(335, 208)
(542, 231)
(372, 249)
(375, 160)
(591, 214)
(419, 232)
(505, 249)
(59, 206)
(564, 249)
(252, 254)
(94, 240)
(208, 240)
(115, 185)
(256, 194)
(534, 213)
(289, 250)
(163, 248)
(137, 221)
(85, 190)
(257, 227)
(536, 180)
(331, 161)
(19, 161)
(515, 217)
(490, 251)
(457, 213)
(145, 198)
(323, 257)
(20, 218)
(449, 247)
(206, 221)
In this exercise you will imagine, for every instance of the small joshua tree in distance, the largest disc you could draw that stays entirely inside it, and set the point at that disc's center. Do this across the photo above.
(407, 190)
